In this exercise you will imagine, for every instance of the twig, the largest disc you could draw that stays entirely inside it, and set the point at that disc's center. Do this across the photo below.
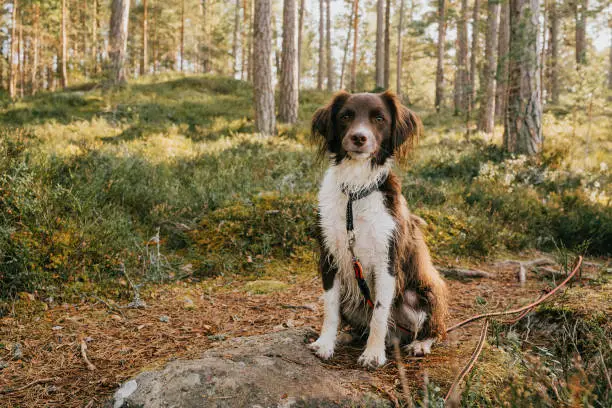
(471, 362)
(307, 307)
(90, 366)
(28, 385)
(463, 273)
(521, 309)
(109, 306)
(402, 373)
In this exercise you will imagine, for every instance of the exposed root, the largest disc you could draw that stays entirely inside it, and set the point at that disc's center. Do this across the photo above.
(90, 366)
(453, 272)
(28, 385)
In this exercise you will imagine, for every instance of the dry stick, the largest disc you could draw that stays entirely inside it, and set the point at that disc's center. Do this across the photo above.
(470, 364)
(402, 373)
(463, 273)
(521, 309)
(90, 366)
(28, 385)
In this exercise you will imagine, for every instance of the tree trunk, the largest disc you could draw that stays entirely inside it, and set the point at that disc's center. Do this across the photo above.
(204, 46)
(398, 63)
(474, 53)
(487, 108)
(355, 39)
(346, 47)
(580, 10)
(380, 50)
(288, 107)
(182, 34)
(610, 63)
(523, 124)
(554, 53)
(262, 75)
(545, 19)
(320, 71)
(503, 49)
(235, 42)
(120, 13)
(94, 37)
(439, 101)
(13, 52)
(300, 40)
(461, 76)
(20, 54)
(35, 51)
(328, 49)
(387, 68)
(64, 45)
(245, 47)
(145, 38)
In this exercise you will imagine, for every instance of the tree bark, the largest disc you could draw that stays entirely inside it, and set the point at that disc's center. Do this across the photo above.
(328, 49)
(20, 54)
(346, 47)
(461, 76)
(36, 49)
(553, 65)
(288, 107)
(300, 40)
(120, 14)
(523, 124)
(474, 53)
(320, 72)
(355, 39)
(580, 10)
(262, 75)
(235, 42)
(387, 69)
(94, 37)
(13, 51)
(145, 38)
(487, 108)
(398, 69)
(380, 46)
(439, 98)
(64, 45)
(503, 49)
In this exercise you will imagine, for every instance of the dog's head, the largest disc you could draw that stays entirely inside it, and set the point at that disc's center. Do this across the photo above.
(365, 126)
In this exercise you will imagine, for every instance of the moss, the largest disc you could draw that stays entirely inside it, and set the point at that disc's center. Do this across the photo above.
(262, 287)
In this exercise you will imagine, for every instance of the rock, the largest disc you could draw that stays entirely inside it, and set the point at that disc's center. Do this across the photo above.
(270, 370)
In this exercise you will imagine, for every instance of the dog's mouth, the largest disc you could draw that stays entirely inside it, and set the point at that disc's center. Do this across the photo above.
(359, 154)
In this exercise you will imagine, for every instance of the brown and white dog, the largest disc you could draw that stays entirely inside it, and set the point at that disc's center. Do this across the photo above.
(363, 134)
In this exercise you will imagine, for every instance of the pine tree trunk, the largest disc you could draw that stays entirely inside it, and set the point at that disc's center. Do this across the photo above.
(346, 47)
(320, 74)
(13, 52)
(610, 63)
(145, 38)
(523, 124)
(328, 48)
(545, 19)
(503, 49)
(554, 53)
(439, 100)
(355, 40)
(182, 34)
(64, 45)
(580, 10)
(398, 69)
(120, 13)
(204, 46)
(288, 107)
(380, 39)
(387, 68)
(235, 42)
(461, 76)
(262, 75)
(300, 40)
(36, 49)
(20, 54)
(486, 121)
(474, 53)
(245, 47)
(94, 37)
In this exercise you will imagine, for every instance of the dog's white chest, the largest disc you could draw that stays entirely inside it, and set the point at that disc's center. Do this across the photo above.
(373, 226)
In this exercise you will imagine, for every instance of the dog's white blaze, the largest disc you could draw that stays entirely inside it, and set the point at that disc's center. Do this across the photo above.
(373, 226)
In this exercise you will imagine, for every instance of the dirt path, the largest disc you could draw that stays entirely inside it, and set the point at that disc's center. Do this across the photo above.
(182, 320)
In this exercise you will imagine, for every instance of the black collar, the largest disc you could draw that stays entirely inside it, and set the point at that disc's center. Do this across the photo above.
(358, 195)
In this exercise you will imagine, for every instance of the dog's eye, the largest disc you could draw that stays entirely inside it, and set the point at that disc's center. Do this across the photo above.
(346, 116)
(379, 118)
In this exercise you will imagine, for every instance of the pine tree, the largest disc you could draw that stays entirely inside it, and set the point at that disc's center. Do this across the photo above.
(487, 108)
(262, 69)
(288, 107)
(439, 99)
(120, 13)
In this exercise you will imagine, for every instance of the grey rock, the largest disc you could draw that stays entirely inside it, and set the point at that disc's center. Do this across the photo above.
(271, 370)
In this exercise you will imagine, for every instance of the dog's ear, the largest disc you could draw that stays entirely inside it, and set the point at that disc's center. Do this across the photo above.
(322, 126)
(406, 127)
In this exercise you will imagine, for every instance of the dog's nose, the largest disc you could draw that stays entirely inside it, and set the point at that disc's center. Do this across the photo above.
(358, 139)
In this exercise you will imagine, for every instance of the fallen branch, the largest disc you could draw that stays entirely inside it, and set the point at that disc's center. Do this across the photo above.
(471, 362)
(525, 265)
(28, 385)
(521, 309)
(463, 273)
(553, 273)
(90, 366)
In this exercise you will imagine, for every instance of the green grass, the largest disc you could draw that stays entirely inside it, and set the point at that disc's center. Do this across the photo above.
(88, 176)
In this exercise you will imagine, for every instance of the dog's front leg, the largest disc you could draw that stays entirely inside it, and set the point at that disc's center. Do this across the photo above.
(374, 354)
(324, 346)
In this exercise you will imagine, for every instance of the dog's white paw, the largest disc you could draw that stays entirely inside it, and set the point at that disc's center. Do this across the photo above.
(373, 358)
(419, 348)
(323, 348)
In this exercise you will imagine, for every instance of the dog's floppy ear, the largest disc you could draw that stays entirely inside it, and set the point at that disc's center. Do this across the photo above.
(406, 127)
(322, 126)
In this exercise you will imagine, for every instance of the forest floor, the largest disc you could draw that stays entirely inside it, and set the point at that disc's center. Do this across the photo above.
(161, 189)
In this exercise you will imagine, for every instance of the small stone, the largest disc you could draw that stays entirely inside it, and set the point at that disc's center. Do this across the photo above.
(188, 304)
(164, 319)
(17, 351)
(57, 328)
(216, 337)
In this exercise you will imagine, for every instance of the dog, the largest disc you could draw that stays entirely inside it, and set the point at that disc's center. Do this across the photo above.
(364, 226)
